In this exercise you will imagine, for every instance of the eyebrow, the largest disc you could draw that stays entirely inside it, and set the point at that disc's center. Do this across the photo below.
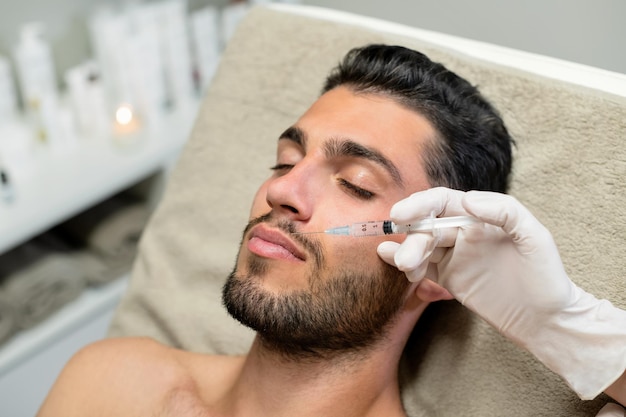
(294, 134)
(347, 147)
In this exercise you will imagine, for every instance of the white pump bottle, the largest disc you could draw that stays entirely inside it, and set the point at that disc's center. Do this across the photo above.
(37, 81)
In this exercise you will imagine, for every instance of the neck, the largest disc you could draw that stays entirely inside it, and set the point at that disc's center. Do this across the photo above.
(355, 384)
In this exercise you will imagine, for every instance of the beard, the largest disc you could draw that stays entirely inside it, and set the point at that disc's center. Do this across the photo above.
(342, 311)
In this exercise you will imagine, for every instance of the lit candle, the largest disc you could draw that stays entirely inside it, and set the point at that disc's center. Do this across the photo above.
(125, 120)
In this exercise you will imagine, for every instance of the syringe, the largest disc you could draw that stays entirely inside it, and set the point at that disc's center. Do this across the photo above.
(387, 227)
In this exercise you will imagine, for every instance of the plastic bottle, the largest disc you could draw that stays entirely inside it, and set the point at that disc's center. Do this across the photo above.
(174, 37)
(206, 44)
(37, 81)
(8, 101)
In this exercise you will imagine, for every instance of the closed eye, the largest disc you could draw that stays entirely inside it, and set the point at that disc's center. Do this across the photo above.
(281, 168)
(359, 192)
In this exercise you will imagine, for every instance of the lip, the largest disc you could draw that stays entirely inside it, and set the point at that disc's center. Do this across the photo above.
(272, 243)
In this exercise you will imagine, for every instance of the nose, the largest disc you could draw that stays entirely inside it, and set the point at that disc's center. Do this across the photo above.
(292, 194)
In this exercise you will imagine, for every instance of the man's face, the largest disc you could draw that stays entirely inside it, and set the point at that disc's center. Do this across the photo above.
(349, 158)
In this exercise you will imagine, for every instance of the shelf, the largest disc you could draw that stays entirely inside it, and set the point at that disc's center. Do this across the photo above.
(28, 343)
(62, 185)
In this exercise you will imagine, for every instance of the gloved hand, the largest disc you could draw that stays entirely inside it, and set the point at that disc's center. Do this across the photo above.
(508, 271)
(611, 410)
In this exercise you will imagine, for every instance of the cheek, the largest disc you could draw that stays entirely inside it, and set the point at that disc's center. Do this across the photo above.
(259, 203)
(357, 252)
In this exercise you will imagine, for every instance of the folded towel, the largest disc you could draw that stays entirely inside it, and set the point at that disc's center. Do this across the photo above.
(38, 278)
(109, 228)
(7, 319)
(98, 270)
(110, 232)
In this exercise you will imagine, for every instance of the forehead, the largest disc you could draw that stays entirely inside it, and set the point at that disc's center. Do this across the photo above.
(373, 120)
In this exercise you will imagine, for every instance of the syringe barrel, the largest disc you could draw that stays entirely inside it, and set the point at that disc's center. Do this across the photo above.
(371, 228)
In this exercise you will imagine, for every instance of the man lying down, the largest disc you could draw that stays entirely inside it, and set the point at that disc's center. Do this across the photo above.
(389, 131)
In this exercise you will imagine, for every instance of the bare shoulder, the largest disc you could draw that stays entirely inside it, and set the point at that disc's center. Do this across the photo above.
(126, 376)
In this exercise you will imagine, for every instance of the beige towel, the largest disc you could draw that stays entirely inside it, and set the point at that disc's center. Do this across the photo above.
(7, 319)
(109, 233)
(39, 279)
(97, 271)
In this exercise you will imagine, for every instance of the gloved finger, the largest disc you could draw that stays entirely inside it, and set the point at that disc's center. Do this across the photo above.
(414, 262)
(413, 254)
(505, 211)
(439, 200)
(437, 256)
(432, 272)
(417, 274)
(611, 410)
(387, 250)
(446, 237)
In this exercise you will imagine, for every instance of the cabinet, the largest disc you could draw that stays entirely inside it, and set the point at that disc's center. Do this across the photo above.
(58, 188)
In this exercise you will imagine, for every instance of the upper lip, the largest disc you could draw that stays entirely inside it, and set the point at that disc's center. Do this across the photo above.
(277, 237)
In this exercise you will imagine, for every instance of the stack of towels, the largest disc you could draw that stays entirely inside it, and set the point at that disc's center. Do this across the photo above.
(91, 249)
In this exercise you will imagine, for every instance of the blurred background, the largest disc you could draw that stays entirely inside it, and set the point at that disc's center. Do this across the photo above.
(97, 98)
(588, 32)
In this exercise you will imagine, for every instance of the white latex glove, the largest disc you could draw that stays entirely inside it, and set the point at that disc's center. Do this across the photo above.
(611, 410)
(508, 270)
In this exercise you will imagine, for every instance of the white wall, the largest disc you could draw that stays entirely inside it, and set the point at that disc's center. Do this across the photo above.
(591, 32)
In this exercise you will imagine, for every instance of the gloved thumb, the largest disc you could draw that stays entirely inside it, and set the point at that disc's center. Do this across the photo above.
(387, 251)
(410, 257)
(611, 410)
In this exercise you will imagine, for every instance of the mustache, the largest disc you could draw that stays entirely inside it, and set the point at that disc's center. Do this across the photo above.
(311, 245)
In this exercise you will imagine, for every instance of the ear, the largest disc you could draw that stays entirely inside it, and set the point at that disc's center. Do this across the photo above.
(430, 291)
